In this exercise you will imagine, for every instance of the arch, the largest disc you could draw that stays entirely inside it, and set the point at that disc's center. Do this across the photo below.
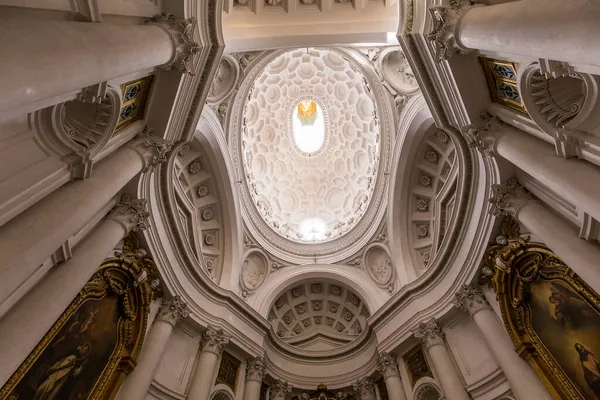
(221, 392)
(352, 277)
(414, 123)
(211, 136)
(426, 388)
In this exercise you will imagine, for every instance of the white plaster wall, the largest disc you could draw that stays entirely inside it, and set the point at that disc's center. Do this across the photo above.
(471, 353)
(27, 173)
(178, 360)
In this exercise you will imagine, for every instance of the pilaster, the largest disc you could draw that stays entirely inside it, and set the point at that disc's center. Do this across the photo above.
(255, 370)
(131, 214)
(387, 366)
(214, 340)
(509, 198)
(172, 310)
(471, 300)
(185, 48)
(430, 334)
(364, 388)
(280, 389)
(484, 135)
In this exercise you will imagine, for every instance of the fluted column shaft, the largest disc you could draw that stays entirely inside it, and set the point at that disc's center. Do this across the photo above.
(432, 337)
(388, 368)
(254, 376)
(42, 59)
(24, 325)
(31, 237)
(138, 382)
(550, 29)
(213, 343)
(558, 234)
(523, 380)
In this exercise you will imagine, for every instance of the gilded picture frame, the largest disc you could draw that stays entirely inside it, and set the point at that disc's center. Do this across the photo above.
(551, 314)
(123, 279)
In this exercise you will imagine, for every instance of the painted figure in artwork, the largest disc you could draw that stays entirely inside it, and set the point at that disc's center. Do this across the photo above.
(570, 310)
(591, 369)
(60, 373)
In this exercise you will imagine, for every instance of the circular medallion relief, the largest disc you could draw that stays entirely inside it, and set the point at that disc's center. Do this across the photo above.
(310, 145)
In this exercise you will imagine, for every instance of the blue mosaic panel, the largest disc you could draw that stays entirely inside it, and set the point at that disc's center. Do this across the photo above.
(508, 92)
(132, 91)
(504, 71)
(128, 111)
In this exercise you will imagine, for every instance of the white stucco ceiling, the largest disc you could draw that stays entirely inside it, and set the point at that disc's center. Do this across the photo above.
(334, 184)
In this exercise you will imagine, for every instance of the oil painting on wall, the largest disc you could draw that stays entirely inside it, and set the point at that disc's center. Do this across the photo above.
(70, 366)
(569, 327)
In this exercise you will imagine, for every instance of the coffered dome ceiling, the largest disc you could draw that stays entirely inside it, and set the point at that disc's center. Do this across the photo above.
(311, 180)
(312, 145)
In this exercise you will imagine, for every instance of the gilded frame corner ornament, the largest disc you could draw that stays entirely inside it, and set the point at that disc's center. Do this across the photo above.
(129, 277)
(517, 263)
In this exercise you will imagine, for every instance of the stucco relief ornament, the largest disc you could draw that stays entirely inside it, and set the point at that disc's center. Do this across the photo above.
(445, 19)
(171, 310)
(273, 3)
(508, 199)
(214, 340)
(256, 370)
(182, 37)
(132, 214)
(470, 299)
(382, 271)
(483, 136)
(429, 333)
(154, 148)
(386, 365)
(240, 2)
(251, 274)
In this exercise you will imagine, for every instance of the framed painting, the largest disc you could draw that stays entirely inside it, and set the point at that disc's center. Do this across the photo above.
(92, 347)
(552, 316)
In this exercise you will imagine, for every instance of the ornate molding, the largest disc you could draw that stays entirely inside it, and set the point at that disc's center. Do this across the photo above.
(172, 310)
(484, 135)
(255, 370)
(471, 300)
(214, 340)
(387, 366)
(182, 36)
(364, 388)
(430, 334)
(508, 199)
(131, 214)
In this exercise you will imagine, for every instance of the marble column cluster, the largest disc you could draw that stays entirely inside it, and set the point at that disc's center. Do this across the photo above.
(387, 366)
(255, 372)
(138, 382)
(214, 340)
(432, 337)
(532, 29)
(522, 379)
(574, 180)
(82, 54)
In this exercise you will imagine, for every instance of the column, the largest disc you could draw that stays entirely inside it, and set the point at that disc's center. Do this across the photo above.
(539, 159)
(254, 377)
(554, 231)
(24, 325)
(549, 29)
(31, 237)
(432, 337)
(523, 380)
(213, 342)
(388, 368)
(138, 382)
(364, 388)
(279, 390)
(42, 59)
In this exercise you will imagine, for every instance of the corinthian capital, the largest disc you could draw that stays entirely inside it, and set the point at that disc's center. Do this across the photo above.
(364, 388)
(470, 299)
(152, 148)
(508, 199)
(483, 135)
(131, 213)
(430, 334)
(386, 365)
(172, 310)
(280, 389)
(256, 370)
(182, 36)
(445, 20)
(214, 340)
